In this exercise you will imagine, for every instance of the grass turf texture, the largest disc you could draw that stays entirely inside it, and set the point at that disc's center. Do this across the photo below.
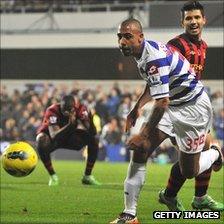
(30, 200)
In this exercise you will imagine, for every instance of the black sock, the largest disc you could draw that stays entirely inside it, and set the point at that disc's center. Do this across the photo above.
(175, 182)
(89, 167)
(49, 167)
(92, 155)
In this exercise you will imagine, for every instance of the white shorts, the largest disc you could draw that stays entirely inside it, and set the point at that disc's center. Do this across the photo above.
(189, 124)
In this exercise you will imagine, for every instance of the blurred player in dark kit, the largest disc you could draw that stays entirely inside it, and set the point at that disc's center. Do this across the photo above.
(59, 130)
(192, 47)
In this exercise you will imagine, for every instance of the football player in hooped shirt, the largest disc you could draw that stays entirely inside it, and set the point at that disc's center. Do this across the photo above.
(193, 48)
(59, 130)
(182, 111)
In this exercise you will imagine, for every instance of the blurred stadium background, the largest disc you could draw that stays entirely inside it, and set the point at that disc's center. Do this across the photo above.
(54, 47)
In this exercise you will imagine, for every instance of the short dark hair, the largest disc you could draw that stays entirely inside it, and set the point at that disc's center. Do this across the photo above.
(132, 20)
(192, 5)
(67, 102)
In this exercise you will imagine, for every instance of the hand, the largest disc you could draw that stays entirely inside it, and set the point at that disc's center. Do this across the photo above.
(131, 119)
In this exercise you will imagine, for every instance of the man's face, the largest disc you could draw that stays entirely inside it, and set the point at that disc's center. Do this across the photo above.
(193, 22)
(129, 39)
(67, 110)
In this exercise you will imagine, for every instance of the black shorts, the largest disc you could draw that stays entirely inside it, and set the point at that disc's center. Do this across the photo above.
(74, 141)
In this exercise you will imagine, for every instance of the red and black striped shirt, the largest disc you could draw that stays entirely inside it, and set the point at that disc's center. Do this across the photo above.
(193, 50)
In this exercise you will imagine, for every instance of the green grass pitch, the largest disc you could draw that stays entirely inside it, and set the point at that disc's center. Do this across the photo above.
(30, 200)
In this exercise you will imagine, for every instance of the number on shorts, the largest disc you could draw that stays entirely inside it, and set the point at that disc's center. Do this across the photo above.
(194, 143)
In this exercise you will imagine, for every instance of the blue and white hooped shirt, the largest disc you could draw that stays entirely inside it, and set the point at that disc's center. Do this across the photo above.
(168, 74)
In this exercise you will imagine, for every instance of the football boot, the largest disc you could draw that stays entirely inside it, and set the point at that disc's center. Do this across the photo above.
(207, 203)
(173, 204)
(53, 181)
(125, 218)
(90, 180)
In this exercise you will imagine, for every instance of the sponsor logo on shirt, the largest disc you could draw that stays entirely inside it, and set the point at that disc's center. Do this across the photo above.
(53, 120)
(153, 76)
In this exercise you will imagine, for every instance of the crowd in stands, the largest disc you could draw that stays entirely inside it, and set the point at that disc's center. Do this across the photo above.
(25, 6)
(22, 112)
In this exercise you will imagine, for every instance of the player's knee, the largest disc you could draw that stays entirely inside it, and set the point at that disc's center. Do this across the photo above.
(139, 143)
(140, 157)
(43, 141)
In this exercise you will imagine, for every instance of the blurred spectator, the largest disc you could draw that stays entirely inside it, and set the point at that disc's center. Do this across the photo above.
(113, 102)
(96, 120)
(22, 111)
(101, 107)
(111, 132)
(125, 107)
(217, 101)
(9, 130)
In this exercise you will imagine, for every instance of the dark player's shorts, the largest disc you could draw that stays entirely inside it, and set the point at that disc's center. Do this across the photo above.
(74, 141)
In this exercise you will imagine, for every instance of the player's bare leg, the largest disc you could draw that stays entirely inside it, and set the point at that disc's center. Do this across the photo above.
(44, 147)
(186, 171)
(191, 165)
(199, 164)
(201, 200)
(176, 181)
(202, 180)
(135, 178)
(80, 139)
(132, 186)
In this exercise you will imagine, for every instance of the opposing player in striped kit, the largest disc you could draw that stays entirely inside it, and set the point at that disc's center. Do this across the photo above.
(182, 111)
(193, 48)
